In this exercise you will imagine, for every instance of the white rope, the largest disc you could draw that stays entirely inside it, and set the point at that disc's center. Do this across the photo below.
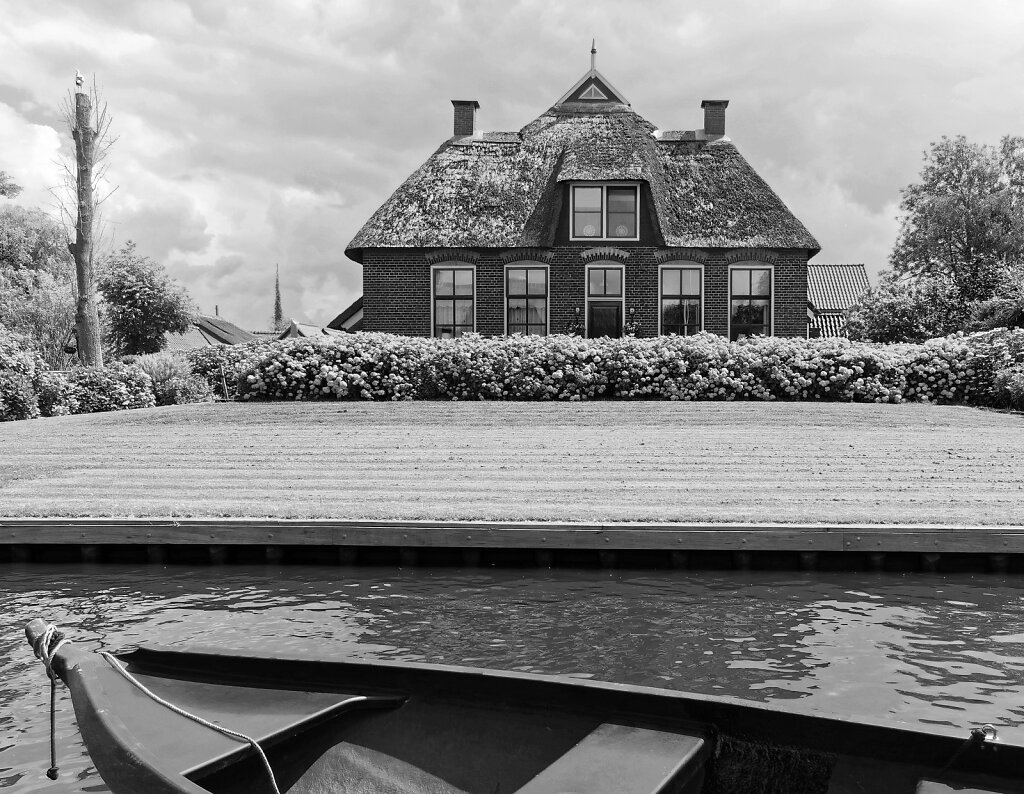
(43, 650)
(177, 710)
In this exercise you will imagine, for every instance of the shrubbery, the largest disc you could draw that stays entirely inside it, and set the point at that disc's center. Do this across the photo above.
(220, 365)
(28, 389)
(956, 369)
(985, 369)
(173, 381)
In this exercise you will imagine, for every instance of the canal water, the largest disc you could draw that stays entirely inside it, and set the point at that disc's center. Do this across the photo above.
(920, 649)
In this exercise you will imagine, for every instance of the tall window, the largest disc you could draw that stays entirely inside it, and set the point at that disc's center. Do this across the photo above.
(605, 212)
(680, 300)
(750, 302)
(453, 301)
(526, 291)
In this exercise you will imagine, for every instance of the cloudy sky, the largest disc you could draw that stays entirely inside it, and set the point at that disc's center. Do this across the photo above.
(255, 134)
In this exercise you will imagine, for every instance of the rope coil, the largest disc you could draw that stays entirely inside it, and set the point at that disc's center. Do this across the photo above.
(45, 648)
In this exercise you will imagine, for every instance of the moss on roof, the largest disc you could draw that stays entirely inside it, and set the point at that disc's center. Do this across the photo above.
(502, 189)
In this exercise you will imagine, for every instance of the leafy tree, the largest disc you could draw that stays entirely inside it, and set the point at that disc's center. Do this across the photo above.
(958, 261)
(963, 221)
(8, 188)
(142, 303)
(905, 310)
(37, 299)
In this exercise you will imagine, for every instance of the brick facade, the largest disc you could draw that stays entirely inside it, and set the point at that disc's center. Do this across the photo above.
(396, 287)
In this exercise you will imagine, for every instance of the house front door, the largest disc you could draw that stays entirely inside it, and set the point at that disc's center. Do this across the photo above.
(605, 319)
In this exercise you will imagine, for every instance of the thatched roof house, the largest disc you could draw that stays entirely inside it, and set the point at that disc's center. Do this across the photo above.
(587, 218)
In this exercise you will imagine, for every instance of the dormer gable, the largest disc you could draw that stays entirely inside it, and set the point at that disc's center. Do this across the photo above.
(593, 88)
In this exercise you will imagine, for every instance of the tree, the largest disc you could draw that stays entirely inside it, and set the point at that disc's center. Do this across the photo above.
(89, 122)
(904, 310)
(963, 221)
(37, 277)
(960, 249)
(142, 303)
(7, 187)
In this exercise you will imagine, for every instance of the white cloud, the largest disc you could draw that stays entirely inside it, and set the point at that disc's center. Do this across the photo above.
(261, 133)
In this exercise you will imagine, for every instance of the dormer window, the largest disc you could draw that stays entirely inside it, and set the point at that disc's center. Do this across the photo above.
(605, 212)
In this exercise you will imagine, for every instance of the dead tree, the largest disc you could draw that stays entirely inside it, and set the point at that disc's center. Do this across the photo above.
(89, 123)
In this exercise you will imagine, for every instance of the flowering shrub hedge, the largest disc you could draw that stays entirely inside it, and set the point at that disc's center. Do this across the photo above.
(231, 360)
(371, 366)
(116, 387)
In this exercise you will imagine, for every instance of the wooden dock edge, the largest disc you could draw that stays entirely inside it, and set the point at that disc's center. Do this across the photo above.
(247, 540)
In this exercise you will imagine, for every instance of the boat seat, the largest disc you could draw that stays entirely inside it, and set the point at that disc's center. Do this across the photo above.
(350, 768)
(937, 787)
(619, 759)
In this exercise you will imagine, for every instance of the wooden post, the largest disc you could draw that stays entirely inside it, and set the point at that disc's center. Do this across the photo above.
(680, 559)
(346, 555)
(273, 554)
(87, 321)
(543, 558)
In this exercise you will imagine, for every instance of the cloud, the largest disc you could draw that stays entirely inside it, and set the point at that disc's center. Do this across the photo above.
(255, 134)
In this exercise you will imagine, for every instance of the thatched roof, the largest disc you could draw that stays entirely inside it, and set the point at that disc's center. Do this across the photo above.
(503, 189)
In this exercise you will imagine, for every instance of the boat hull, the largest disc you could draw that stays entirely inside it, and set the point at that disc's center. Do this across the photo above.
(430, 728)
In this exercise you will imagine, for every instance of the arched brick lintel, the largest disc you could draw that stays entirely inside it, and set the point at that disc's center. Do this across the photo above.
(612, 254)
(451, 255)
(698, 255)
(751, 254)
(526, 255)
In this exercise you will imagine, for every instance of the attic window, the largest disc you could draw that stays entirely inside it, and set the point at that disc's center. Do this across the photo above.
(605, 212)
(593, 92)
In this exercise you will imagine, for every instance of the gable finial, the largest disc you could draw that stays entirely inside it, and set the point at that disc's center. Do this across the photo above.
(593, 54)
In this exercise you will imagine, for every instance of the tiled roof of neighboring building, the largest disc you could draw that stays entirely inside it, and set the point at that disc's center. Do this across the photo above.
(207, 331)
(502, 189)
(831, 324)
(351, 319)
(835, 288)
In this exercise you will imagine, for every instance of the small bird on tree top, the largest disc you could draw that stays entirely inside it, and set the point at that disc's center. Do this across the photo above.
(79, 80)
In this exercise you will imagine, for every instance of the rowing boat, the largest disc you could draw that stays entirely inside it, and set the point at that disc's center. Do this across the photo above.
(194, 720)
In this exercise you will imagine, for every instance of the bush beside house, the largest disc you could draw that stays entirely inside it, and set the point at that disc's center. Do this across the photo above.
(985, 369)
(981, 369)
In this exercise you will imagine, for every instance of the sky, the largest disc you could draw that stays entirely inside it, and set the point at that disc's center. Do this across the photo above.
(258, 135)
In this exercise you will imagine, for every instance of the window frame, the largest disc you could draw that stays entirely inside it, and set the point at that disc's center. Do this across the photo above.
(604, 211)
(680, 264)
(752, 265)
(587, 298)
(529, 265)
(452, 265)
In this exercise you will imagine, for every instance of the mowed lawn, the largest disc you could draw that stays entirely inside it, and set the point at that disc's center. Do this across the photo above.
(592, 462)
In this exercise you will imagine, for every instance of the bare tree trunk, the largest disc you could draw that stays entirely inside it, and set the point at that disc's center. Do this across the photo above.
(87, 321)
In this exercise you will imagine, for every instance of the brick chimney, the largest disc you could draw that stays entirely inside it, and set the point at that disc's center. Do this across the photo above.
(465, 116)
(714, 116)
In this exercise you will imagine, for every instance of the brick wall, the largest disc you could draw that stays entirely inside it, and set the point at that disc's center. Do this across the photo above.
(396, 289)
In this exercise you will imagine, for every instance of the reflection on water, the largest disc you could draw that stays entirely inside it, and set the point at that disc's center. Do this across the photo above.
(919, 649)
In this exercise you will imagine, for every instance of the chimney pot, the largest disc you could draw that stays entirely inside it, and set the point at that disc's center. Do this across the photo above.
(465, 116)
(714, 116)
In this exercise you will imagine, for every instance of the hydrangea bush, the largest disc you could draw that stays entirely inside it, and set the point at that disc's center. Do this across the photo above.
(372, 366)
